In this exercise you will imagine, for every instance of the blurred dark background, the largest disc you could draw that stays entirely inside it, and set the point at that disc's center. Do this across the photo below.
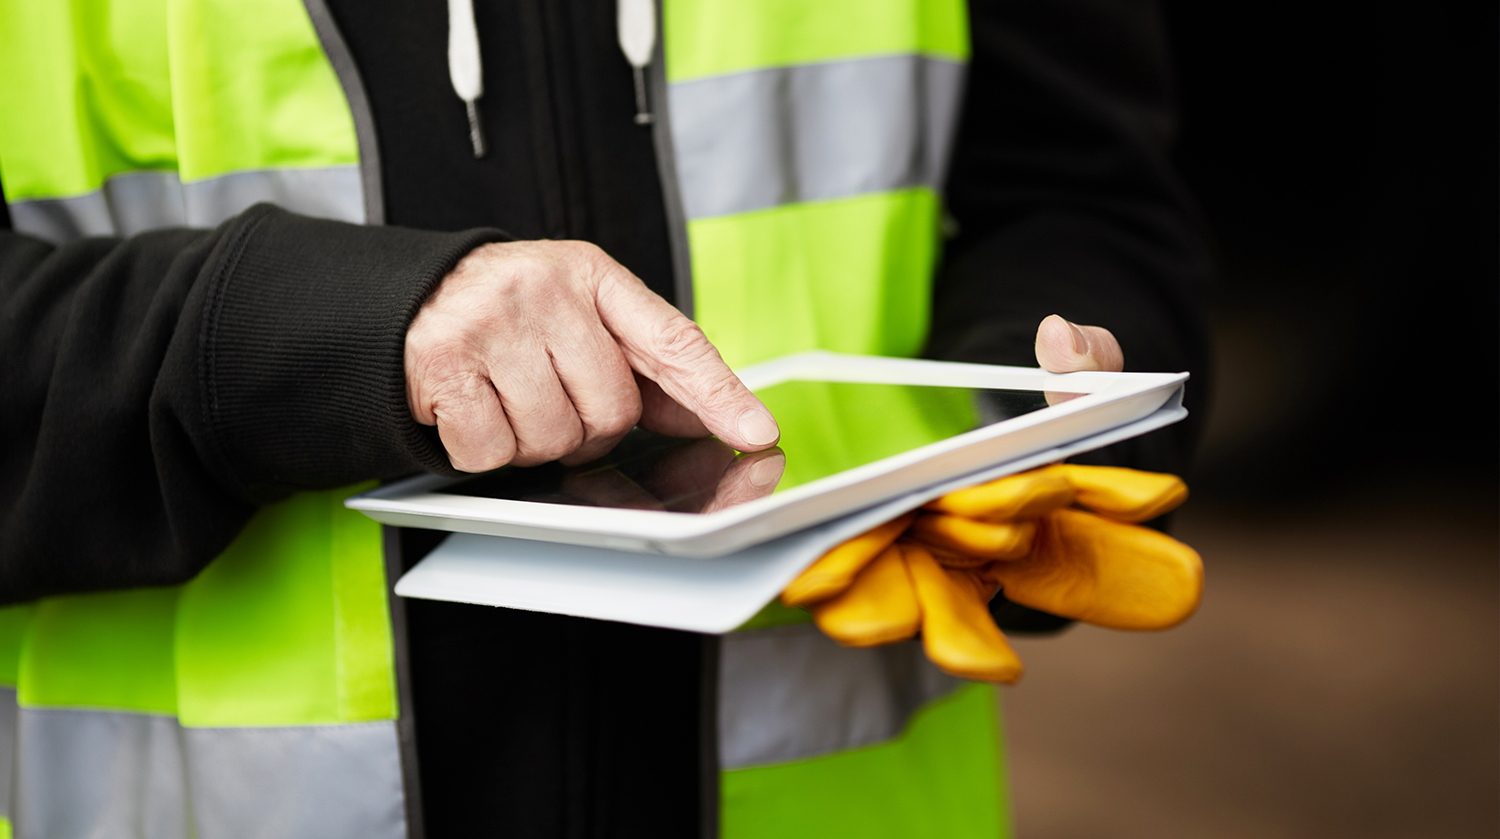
(1342, 677)
(1345, 155)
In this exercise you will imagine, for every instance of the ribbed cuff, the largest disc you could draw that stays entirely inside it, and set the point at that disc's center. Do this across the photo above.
(303, 345)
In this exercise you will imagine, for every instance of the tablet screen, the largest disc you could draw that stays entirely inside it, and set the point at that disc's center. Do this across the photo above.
(826, 428)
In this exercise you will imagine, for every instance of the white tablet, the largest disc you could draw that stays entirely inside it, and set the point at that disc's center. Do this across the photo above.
(855, 431)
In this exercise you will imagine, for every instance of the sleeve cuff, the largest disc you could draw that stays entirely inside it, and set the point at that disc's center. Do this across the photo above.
(303, 343)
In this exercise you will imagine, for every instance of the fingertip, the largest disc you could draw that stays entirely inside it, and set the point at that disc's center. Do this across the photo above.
(757, 429)
(1065, 347)
(1055, 345)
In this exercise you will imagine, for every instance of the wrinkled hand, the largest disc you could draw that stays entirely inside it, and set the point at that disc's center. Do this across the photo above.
(529, 352)
(937, 569)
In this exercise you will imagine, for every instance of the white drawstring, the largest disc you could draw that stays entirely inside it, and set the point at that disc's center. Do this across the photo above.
(636, 26)
(464, 69)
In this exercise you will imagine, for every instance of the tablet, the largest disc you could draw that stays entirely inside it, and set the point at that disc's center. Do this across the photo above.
(676, 592)
(855, 431)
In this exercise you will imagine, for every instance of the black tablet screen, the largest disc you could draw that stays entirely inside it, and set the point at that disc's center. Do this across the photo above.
(826, 428)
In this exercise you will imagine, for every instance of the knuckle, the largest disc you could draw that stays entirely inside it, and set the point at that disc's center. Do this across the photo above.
(533, 270)
(682, 344)
(581, 250)
(443, 360)
(588, 264)
(486, 255)
(548, 278)
(717, 392)
(457, 389)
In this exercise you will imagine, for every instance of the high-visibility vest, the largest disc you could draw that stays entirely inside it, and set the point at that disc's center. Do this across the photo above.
(806, 144)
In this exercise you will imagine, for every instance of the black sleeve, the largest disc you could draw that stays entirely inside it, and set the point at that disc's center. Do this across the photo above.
(158, 388)
(1066, 203)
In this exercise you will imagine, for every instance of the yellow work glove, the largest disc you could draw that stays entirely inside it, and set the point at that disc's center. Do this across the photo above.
(937, 569)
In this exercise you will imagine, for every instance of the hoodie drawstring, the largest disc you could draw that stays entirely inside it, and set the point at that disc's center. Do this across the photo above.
(464, 69)
(635, 25)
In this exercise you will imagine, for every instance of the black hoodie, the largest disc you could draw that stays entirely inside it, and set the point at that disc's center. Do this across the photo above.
(158, 388)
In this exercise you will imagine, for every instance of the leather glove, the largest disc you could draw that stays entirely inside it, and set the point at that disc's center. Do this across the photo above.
(935, 570)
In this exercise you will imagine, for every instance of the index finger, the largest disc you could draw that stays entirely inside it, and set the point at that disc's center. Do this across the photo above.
(666, 347)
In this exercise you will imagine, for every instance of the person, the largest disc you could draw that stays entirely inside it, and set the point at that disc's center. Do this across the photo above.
(255, 260)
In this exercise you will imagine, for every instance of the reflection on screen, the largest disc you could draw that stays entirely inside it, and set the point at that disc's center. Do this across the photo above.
(826, 428)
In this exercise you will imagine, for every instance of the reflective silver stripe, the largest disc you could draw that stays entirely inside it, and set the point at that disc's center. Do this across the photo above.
(7, 748)
(134, 202)
(94, 773)
(763, 138)
(789, 693)
(127, 204)
(336, 192)
(88, 773)
(312, 782)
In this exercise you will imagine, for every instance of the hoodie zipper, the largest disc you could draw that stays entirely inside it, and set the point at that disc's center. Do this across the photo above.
(548, 60)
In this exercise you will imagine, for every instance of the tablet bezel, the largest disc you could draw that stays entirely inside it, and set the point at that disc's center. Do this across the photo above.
(1110, 400)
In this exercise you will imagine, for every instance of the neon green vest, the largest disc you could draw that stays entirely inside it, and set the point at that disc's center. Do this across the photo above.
(806, 142)
(259, 698)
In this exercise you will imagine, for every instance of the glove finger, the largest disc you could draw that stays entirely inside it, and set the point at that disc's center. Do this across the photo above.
(1104, 572)
(958, 633)
(835, 570)
(982, 539)
(945, 557)
(1027, 495)
(1125, 494)
(878, 608)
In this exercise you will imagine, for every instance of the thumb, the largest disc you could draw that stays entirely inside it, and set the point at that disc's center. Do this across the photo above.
(1065, 347)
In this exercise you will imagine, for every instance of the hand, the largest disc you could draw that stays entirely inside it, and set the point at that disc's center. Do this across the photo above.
(529, 352)
(1065, 347)
(936, 570)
